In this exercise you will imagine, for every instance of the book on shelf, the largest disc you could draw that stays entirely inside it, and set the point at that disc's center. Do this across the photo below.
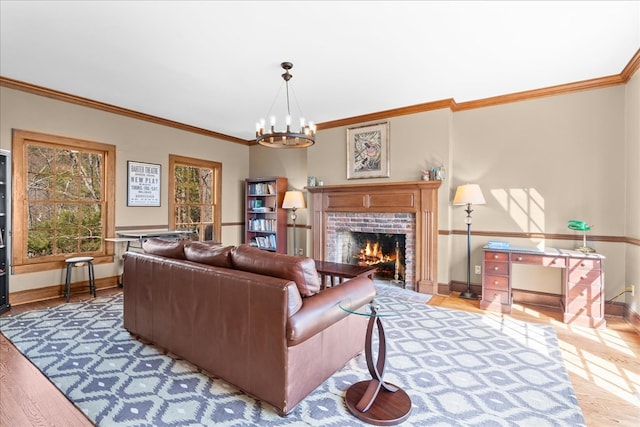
(262, 224)
(264, 242)
(262, 188)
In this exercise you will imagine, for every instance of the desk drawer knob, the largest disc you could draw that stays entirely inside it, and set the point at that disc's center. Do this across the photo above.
(495, 282)
(495, 256)
(582, 264)
(584, 277)
(496, 268)
(519, 258)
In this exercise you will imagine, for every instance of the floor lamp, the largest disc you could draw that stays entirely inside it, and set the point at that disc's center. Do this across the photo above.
(293, 200)
(468, 194)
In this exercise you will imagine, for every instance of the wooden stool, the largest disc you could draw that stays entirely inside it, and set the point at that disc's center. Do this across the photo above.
(79, 261)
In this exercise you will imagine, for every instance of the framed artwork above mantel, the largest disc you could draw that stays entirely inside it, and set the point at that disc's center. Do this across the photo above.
(368, 151)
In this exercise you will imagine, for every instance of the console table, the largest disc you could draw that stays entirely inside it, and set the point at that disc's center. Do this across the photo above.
(582, 281)
(142, 236)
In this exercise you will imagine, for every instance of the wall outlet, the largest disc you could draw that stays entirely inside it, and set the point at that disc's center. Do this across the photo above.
(300, 251)
(478, 269)
(632, 289)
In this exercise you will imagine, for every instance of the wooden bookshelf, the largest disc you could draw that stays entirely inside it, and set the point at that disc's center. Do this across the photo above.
(5, 208)
(265, 220)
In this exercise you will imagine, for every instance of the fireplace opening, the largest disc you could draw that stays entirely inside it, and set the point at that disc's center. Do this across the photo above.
(385, 251)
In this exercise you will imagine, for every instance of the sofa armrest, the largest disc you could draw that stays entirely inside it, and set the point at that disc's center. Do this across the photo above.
(322, 310)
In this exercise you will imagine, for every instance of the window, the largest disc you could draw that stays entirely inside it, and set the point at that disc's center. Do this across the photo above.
(194, 196)
(63, 199)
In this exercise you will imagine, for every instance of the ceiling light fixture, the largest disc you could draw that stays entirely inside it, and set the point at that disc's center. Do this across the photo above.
(269, 137)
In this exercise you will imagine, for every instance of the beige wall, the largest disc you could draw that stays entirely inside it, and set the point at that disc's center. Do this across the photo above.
(539, 162)
(632, 127)
(134, 140)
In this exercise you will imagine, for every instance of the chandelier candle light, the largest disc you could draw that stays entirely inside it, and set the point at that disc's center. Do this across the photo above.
(293, 200)
(269, 137)
(469, 194)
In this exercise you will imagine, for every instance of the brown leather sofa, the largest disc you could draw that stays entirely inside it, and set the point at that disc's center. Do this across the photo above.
(253, 318)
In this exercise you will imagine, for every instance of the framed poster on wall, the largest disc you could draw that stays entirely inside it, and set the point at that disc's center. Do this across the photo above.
(143, 184)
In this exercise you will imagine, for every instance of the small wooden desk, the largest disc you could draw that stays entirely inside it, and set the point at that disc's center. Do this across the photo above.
(582, 281)
(329, 271)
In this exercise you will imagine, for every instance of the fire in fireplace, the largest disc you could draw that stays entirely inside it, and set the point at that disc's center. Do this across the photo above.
(385, 251)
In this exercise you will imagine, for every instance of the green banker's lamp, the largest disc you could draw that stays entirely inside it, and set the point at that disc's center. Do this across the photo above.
(584, 227)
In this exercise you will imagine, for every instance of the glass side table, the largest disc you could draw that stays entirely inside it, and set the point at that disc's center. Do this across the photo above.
(375, 401)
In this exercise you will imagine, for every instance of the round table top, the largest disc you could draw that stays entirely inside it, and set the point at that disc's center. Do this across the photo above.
(379, 307)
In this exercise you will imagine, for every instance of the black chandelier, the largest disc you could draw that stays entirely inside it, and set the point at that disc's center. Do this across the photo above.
(269, 137)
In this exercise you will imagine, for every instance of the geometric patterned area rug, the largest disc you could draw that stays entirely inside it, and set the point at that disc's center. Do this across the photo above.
(459, 368)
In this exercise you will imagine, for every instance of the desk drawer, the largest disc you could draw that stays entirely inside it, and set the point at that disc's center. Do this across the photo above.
(584, 277)
(584, 264)
(585, 292)
(534, 259)
(493, 296)
(496, 256)
(499, 283)
(499, 268)
(585, 307)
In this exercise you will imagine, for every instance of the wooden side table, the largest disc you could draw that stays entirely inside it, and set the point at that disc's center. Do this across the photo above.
(334, 273)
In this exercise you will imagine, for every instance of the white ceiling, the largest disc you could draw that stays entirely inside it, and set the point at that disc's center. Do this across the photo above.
(216, 64)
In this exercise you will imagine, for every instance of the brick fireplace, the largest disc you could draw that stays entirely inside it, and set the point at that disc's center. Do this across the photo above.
(351, 237)
(409, 208)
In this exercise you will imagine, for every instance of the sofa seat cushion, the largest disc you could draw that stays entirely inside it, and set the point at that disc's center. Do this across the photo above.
(301, 270)
(164, 247)
(204, 253)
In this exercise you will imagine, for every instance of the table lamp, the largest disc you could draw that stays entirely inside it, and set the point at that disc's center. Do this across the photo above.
(468, 194)
(293, 200)
(584, 227)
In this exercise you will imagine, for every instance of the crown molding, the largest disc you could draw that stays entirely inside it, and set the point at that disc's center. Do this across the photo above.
(402, 111)
(89, 103)
(597, 83)
(602, 82)
(631, 67)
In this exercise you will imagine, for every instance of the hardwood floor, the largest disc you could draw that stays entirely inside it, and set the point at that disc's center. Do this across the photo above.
(603, 365)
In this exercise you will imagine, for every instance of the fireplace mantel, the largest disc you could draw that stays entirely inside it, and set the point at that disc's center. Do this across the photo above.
(418, 197)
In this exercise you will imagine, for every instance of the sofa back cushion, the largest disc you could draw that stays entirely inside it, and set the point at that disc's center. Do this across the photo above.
(164, 247)
(215, 255)
(301, 270)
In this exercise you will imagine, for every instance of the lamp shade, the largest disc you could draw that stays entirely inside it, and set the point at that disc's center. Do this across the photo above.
(469, 193)
(293, 200)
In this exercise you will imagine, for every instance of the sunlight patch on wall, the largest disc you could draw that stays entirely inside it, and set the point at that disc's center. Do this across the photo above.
(525, 206)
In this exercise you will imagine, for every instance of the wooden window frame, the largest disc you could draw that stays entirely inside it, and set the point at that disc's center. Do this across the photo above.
(217, 190)
(20, 140)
